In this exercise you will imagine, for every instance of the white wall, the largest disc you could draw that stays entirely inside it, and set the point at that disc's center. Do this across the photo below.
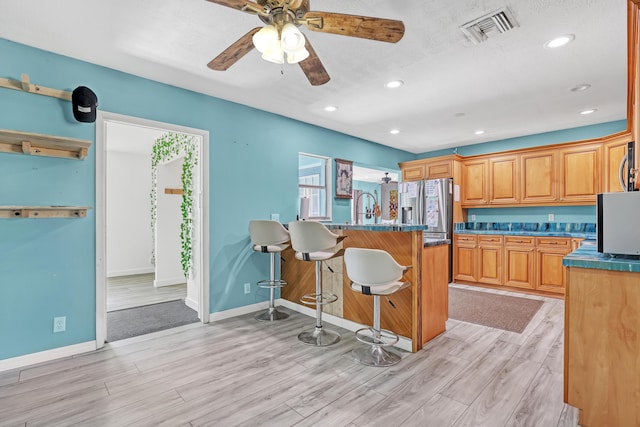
(168, 220)
(128, 220)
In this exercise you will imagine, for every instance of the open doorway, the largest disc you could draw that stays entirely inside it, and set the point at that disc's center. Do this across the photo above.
(140, 283)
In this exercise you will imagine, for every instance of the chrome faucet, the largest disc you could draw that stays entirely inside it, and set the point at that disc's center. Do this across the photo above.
(375, 203)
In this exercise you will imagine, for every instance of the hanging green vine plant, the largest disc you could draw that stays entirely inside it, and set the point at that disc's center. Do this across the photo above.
(168, 147)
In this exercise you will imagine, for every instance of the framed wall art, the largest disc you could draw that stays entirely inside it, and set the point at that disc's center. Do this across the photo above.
(344, 179)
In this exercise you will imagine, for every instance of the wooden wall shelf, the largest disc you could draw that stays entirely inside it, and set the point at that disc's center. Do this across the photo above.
(26, 86)
(178, 191)
(12, 141)
(43, 211)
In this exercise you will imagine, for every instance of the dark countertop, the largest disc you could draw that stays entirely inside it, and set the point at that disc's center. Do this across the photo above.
(587, 256)
(376, 227)
(428, 242)
(580, 230)
(578, 235)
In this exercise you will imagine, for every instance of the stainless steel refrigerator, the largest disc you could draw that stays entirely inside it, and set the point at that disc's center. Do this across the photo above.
(429, 203)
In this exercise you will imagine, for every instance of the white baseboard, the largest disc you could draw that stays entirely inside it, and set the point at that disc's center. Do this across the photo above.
(403, 343)
(221, 315)
(168, 282)
(130, 271)
(191, 303)
(46, 356)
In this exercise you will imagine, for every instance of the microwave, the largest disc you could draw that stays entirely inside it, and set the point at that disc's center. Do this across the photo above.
(618, 226)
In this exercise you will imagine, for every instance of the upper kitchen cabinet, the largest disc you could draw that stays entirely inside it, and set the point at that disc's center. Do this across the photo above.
(504, 180)
(580, 173)
(433, 168)
(441, 167)
(474, 186)
(614, 152)
(539, 176)
(412, 171)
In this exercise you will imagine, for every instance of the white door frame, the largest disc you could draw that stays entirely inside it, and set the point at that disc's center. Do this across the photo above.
(202, 231)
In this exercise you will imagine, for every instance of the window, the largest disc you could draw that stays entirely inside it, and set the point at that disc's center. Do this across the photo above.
(313, 183)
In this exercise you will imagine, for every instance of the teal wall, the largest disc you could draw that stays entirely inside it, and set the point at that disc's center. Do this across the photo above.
(537, 140)
(534, 214)
(47, 266)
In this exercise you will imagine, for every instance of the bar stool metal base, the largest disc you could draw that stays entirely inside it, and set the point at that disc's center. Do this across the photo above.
(375, 356)
(319, 337)
(270, 315)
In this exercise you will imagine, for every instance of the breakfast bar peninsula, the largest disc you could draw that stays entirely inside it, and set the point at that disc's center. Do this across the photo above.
(417, 313)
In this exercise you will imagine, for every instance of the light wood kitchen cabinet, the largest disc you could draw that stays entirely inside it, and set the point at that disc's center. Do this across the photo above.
(464, 257)
(413, 173)
(575, 243)
(489, 257)
(475, 182)
(580, 171)
(538, 176)
(614, 151)
(549, 270)
(439, 169)
(519, 261)
(504, 180)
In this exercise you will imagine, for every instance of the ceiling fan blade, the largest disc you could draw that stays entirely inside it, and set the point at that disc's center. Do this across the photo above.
(234, 4)
(242, 5)
(313, 68)
(233, 53)
(385, 30)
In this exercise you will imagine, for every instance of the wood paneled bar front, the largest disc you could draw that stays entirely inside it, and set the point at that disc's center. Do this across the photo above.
(418, 312)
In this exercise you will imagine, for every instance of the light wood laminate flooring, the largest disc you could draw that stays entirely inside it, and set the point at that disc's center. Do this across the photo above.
(240, 372)
(138, 290)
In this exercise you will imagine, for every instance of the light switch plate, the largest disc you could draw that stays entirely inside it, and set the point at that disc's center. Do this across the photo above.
(275, 217)
(551, 217)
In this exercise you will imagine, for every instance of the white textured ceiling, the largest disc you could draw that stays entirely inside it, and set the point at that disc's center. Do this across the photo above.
(508, 86)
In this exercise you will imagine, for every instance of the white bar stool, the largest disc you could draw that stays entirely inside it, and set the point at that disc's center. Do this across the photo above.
(313, 241)
(270, 237)
(375, 272)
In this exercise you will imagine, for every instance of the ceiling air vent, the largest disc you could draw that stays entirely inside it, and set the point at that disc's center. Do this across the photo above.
(496, 22)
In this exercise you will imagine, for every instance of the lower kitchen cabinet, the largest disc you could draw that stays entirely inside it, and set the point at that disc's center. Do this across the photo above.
(464, 267)
(524, 262)
(489, 259)
(549, 270)
(519, 262)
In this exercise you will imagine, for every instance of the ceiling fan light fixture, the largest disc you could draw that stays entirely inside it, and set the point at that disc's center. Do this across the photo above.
(266, 38)
(297, 56)
(291, 38)
(274, 54)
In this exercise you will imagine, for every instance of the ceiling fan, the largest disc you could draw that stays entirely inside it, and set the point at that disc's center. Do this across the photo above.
(280, 34)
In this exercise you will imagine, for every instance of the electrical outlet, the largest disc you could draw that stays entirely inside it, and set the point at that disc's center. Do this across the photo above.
(551, 218)
(59, 324)
(247, 288)
(275, 217)
(473, 217)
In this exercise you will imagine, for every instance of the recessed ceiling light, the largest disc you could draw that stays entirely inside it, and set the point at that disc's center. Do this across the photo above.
(394, 131)
(559, 41)
(588, 111)
(330, 108)
(580, 88)
(479, 132)
(394, 84)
